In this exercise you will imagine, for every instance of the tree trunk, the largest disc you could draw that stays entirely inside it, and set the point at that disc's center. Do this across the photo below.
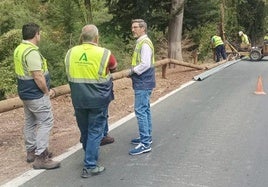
(175, 30)
(89, 11)
(222, 28)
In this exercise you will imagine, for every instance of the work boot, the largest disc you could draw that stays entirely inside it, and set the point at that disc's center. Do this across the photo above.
(107, 140)
(44, 162)
(30, 156)
(48, 153)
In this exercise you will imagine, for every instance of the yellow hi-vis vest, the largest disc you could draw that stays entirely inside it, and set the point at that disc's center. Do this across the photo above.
(87, 63)
(266, 38)
(21, 68)
(136, 57)
(216, 41)
(244, 39)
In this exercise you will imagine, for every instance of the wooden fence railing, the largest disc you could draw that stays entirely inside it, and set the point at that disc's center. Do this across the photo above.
(13, 103)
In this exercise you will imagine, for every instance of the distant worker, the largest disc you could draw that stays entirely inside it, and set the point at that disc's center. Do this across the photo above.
(218, 45)
(245, 45)
(244, 38)
(265, 39)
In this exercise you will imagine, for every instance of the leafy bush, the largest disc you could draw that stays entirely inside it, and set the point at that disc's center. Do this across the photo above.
(54, 51)
(202, 35)
(8, 43)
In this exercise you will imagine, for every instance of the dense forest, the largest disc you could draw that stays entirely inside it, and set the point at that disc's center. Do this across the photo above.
(61, 22)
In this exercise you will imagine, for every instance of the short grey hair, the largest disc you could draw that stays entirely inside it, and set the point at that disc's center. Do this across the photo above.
(89, 33)
(141, 23)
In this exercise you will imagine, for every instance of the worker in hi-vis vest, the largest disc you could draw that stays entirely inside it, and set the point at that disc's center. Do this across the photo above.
(88, 69)
(34, 91)
(245, 44)
(265, 39)
(218, 45)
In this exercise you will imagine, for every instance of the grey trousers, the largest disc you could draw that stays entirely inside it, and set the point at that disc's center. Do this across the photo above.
(38, 123)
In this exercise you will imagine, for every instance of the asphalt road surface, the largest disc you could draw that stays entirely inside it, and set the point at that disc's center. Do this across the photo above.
(212, 133)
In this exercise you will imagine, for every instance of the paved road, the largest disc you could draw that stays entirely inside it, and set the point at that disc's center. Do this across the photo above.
(213, 133)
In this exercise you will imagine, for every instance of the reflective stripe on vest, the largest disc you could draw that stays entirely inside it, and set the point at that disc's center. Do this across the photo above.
(87, 63)
(136, 58)
(21, 68)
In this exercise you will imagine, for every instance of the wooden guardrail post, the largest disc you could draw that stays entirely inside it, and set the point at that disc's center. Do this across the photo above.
(195, 56)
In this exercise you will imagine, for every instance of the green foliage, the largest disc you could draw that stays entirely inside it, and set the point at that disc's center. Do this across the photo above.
(22, 13)
(6, 21)
(55, 54)
(154, 12)
(248, 16)
(100, 12)
(201, 20)
(252, 18)
(64, 15)
(7, 78)
(61, 22)
(8, 42)
(114, 43)
(202, 35)
(198, 13)
(231, 22)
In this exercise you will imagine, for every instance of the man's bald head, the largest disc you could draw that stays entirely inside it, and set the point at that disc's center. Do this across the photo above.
(89, 33)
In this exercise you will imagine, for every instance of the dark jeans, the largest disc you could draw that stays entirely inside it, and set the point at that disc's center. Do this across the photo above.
(220, 52)
(91, 123)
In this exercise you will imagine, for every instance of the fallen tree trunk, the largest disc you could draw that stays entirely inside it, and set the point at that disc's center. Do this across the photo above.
(215, 64)
(13, 103)
(186, 64)
(10, 104)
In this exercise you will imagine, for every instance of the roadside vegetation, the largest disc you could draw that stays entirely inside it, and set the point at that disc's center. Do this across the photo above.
(61, 22)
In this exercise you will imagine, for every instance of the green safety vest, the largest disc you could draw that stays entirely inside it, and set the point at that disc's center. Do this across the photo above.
(136, 57)
(87, 63)
(21, 68)
(244, 39)
(216, 41)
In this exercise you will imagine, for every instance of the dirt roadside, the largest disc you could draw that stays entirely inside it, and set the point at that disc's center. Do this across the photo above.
(65, 133)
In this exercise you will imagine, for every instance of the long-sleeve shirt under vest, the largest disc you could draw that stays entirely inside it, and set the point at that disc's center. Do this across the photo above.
(144, 71)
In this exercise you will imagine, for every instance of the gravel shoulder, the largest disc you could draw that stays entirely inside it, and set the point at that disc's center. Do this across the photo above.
(65, 132)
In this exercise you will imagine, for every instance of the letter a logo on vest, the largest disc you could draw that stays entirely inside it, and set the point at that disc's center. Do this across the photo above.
(83, 57)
